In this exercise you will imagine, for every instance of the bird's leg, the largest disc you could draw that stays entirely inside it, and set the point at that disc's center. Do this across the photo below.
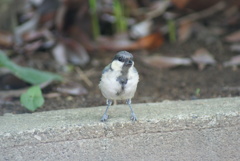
(133, 116)
(105, 116)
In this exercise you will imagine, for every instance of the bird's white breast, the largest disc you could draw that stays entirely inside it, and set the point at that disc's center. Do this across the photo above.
(109, 85)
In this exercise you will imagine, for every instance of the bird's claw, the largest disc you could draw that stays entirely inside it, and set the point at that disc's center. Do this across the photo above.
(133, 117)
(104, 118)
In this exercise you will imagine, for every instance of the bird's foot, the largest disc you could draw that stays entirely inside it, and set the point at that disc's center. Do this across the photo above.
(133, 117)
(104, 118)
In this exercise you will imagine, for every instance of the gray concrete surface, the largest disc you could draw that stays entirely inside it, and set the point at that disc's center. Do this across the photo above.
(171, 130)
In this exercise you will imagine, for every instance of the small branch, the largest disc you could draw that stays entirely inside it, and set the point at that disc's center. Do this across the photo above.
(231, 88)
(84, 77)
(197, 15)
(203, 14)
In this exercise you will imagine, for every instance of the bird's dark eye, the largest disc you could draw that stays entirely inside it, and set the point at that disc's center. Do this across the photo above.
(120, 59)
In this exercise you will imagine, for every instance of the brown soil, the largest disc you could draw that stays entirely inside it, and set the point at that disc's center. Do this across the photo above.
(180, 83)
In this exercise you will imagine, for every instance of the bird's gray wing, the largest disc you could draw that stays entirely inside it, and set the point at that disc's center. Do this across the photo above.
(107, 68)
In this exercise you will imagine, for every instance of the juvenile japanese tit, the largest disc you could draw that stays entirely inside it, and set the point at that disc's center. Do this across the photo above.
(119, 81)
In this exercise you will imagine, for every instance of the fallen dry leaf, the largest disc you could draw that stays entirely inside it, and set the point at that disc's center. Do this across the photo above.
(141, 29)
(166, 62)
(77, 54)
(185, 30)
(202, 57)
(235, 47)
(234, 61)
(47, 10)
(6, 39)
(149, 42)
(32, 47)
(233, 37)
(60, 17)
(193, 4)
(59, 54)
(157, 9)
(52, 95)
(32, 35)
(180, 3)
(235, 2)
(28, 26)
(116, 43)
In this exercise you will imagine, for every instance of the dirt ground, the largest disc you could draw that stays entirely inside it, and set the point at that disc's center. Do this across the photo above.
(156, 85)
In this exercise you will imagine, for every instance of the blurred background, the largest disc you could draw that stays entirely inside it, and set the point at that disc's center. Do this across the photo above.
(52, 52)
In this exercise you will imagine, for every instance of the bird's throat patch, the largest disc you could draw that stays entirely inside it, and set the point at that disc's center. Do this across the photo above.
(123, 79)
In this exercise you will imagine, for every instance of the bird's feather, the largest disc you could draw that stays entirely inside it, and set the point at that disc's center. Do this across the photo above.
(107, 68)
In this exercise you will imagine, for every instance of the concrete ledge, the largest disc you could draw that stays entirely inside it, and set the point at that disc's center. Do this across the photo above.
(172, 130)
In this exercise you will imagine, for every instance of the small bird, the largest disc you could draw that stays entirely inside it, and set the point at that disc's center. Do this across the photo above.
(119, 81)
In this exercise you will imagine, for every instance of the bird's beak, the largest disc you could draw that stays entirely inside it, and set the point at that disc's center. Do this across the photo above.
(128, 63)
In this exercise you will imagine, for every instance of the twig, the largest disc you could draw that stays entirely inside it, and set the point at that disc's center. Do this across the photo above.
(84, 77)
(231, 89)
(161, 8)
(205, 13)
(12, 93)
(199, 15)
(18, 92)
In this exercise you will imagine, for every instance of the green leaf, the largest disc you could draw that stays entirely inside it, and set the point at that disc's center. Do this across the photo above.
(29, 75)
(33, 98)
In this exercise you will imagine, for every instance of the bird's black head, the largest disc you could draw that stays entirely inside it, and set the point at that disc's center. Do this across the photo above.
(124, 57)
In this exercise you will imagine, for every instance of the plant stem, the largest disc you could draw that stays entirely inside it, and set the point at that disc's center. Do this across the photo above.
(172, 30)
(120, 24)
(94, 18)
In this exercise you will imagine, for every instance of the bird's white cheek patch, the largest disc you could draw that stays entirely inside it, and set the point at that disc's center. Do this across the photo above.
(116, 65)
